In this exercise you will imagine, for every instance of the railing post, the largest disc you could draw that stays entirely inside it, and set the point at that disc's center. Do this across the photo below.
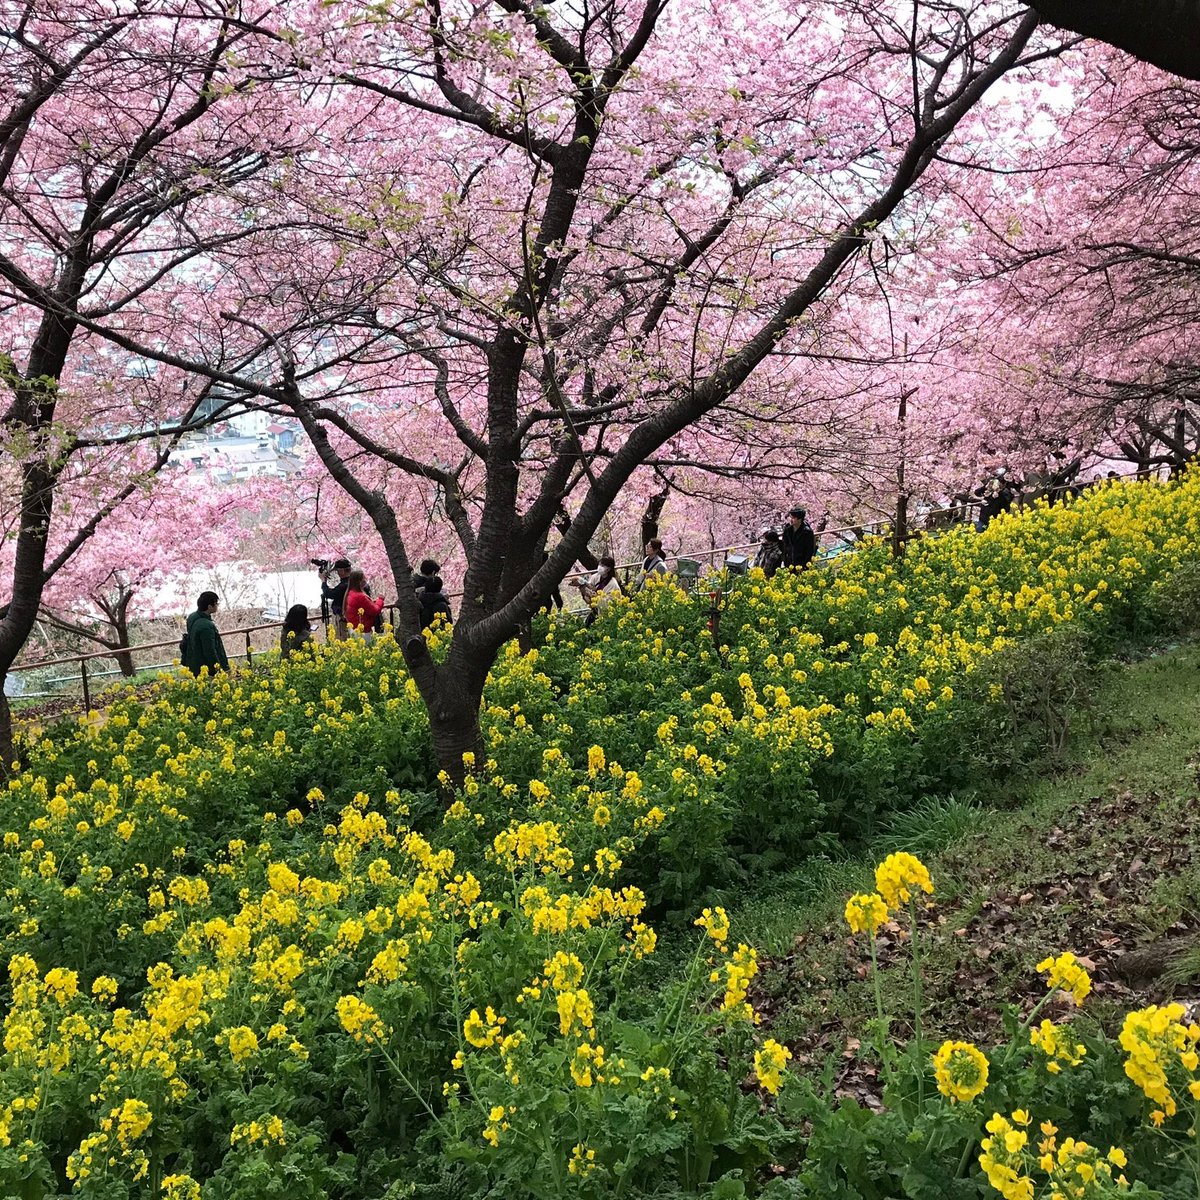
(249, 652)
(87, 692)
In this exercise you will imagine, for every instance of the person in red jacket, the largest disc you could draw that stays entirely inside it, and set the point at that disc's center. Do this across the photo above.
(359, 609)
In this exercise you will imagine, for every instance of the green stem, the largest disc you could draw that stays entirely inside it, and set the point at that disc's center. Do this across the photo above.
(966, 1158)
(918, 1003)
(687, 993)
(1018, 1042)
(882, 1044)
(552, 1158)
(409, 1084)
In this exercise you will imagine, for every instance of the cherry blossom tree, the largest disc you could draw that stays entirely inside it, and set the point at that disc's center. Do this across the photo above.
(121, 576)
(117, 122)
(602, 231)
(1081, 277)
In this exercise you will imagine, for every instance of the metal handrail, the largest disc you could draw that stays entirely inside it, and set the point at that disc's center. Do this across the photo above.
(71, 658)
(84, 659)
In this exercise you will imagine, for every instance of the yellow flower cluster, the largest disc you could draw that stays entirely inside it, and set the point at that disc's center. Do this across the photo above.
(1158, 1045)
(1055, 1043)
(1067, 973)
(268, 1131)
(865, 912)
(1004, 1158)
(735, 973)
(961, 1071)
(899, 877)
(1074, 1169)
(770, 1062)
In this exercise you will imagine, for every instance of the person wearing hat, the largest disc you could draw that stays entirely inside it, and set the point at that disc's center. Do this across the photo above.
(336, 595)
(799, 541)
(770, 553)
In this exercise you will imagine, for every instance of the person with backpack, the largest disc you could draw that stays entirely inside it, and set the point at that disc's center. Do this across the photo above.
(201, 645)
(361, 611)
(434, 602)
(770, 553)
(799, 540)
(335, 596)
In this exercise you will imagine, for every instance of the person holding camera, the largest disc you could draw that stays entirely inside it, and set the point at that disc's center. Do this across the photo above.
(361, 610)
(335, 595)
(601, 588)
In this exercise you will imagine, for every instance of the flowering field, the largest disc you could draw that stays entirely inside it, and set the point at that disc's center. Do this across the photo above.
(253, 953)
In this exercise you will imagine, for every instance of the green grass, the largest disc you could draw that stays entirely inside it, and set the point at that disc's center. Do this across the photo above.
(1100, 858)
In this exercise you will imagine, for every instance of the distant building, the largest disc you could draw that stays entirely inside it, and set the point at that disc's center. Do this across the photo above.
(283, 437)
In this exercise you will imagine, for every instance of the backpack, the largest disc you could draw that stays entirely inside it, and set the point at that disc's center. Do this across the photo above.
(183, 646)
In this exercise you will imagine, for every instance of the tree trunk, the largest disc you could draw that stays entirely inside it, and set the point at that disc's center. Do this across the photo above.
(653, 513)
(120, 620)
(1163, 32)
(585, 557)
(37, 500)
(454, 725)
(6, 731)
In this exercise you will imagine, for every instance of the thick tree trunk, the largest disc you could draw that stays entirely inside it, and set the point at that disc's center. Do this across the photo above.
(37, 501)
(454, 726)
(121, 626)
(1163, 32)
(585, 558)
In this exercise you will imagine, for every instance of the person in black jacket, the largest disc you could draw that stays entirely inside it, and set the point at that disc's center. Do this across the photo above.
(336, 595)
(296, 632)
(996, 497)
(799, 541)
(770, 553)
(433, 602)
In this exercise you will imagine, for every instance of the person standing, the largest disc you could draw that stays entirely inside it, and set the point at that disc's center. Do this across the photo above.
(770, 553)
(336, 595)
(601, 588)
(799, 540)
(359, 609)
(434, 602)
(996, 497)
(202, 643)
(296, 632)
(430, 570)
(654, 562)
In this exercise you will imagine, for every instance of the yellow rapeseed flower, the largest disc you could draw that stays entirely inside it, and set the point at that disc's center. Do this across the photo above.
(899, 877)
(961, 1071)
(865, 912)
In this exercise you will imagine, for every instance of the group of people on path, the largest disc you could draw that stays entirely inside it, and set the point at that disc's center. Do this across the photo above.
(354, 612)
(794, 549)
